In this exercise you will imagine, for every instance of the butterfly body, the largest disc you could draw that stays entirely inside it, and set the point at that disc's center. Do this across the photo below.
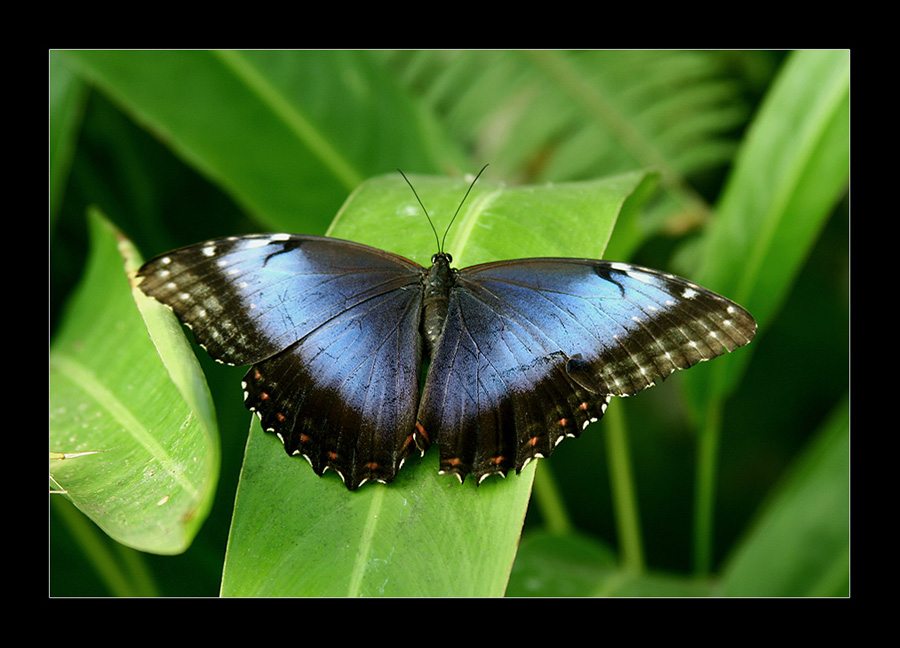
(437, 284)
(521, 354)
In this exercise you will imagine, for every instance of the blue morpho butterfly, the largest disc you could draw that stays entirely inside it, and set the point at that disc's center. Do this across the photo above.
(522, 353)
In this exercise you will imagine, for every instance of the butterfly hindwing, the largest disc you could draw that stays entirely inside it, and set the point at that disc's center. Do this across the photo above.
(344, 396)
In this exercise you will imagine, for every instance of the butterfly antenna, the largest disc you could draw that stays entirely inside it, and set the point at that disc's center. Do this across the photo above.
(440, 242)
(436, 239)
(446, 231)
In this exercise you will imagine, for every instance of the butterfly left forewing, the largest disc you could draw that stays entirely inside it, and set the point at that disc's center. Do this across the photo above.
(249, 297)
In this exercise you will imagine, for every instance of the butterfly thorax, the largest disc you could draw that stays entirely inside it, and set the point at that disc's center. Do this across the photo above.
(438, 282)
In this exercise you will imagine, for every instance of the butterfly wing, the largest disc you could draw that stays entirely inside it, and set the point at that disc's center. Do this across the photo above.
(533, 349)
(332, 329)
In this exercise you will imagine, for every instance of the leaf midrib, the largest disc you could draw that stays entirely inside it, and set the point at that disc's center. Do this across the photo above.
(289, 114)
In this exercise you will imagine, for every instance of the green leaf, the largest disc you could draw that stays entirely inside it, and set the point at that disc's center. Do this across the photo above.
(145, 425)
(788, 176)
(67, 98)
(789, 173)
(549, 565)
(567, 564)
(265, 126)
(294, 533)
(800, 543)
(563, 114)
(556, 115)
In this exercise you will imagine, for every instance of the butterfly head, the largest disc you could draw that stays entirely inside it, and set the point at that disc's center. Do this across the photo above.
(442, 257)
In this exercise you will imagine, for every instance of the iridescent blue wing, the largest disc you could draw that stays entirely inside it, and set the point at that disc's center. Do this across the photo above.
(332, 329)
(533, 349)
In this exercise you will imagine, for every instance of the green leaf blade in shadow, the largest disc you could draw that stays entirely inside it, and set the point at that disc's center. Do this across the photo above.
(789, 174)
(800, 543)
(296, 534)
(276, 129)
(67, 99)
(151, 479)
(570, 564)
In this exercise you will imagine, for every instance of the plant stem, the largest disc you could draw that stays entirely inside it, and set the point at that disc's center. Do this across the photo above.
(623, 493)
(549, 500)
(704, 496)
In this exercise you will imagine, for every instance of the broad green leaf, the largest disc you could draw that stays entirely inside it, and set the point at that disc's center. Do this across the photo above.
(134, 437)
(572, 219)
(800, 543)
(296, 534)
(276, 129)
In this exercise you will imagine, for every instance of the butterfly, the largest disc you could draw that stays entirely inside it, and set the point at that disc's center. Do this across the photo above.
(520, 354)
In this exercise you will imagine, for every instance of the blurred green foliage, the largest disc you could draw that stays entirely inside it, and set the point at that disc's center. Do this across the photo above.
(177, 147)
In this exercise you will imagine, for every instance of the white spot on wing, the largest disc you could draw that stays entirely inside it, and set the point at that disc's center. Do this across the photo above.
(642, 277)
